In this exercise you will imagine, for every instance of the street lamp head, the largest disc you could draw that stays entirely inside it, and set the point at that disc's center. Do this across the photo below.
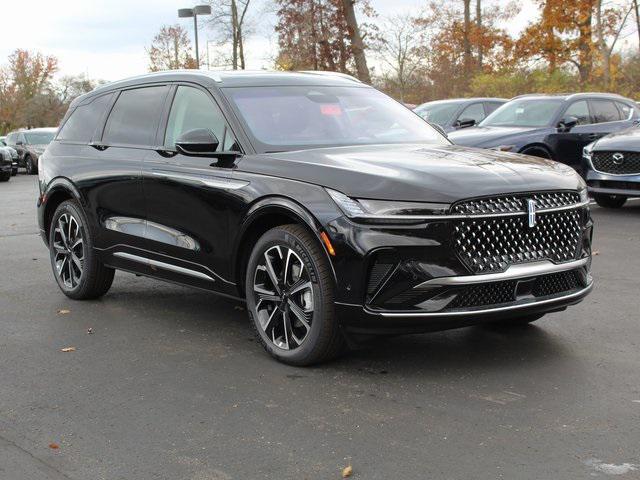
(202, 10)
(186, 12)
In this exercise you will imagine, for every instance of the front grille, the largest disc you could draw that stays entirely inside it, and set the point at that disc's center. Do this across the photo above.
(629, 164)
(491, 244)
(515, 203)
(500, 293)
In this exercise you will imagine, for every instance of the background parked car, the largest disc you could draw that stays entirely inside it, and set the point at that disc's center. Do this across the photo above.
(13, 153)
(552, 126)
(30, 144)
(612, 168)
(5, 165)
(458, 113)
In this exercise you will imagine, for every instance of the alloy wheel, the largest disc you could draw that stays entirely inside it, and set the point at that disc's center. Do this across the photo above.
(68, 250)
(283, 295)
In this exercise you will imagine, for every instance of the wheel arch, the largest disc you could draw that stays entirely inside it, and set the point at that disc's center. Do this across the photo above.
(58, 191)
(537, 146)
(264, 215)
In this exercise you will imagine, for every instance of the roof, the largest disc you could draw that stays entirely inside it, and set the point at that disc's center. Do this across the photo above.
(571, 96)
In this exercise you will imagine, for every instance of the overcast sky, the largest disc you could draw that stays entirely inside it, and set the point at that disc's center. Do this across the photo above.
(106, 39)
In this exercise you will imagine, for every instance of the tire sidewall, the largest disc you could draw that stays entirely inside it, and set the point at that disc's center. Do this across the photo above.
(70, 207)
(284, 238)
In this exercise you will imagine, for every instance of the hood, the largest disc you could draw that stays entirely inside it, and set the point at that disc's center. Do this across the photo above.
(433, 173)
(487, 136)
(625, 140)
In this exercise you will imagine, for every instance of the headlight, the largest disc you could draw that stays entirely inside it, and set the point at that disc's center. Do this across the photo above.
(504, 148)
(386, 211)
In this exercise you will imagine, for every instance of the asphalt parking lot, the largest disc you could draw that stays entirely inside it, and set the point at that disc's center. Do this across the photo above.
(172, 385)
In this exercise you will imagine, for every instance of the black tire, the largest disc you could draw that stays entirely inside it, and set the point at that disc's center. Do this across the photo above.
(323, 339)
(516, 321)
(30, 166)
(94, 279)
(5, 176)
(14, 172)
(609, 201)
(537, 152)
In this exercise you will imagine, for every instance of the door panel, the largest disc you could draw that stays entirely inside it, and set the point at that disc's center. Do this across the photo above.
(187, 197)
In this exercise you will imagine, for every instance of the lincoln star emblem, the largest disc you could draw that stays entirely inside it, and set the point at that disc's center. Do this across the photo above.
(618, 158)
(531, 213)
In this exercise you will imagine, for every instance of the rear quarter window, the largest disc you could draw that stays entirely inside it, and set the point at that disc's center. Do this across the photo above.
(84, 120)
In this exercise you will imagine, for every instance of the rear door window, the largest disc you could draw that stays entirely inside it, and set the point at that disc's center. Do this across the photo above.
(134, 119)
(605, 111)
(84, 120)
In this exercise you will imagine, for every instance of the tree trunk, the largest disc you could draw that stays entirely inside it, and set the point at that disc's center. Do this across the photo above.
(480, 36)
(635, 7)
(466, 39)
(241, 48)
(234, 32)
(356, 41)
(602, 46)
(585, 57)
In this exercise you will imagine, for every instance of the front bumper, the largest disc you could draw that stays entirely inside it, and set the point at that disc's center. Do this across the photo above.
(604, 183)
(396, 279)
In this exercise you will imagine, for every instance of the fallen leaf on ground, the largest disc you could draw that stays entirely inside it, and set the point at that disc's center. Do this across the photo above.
(54, 446)
(596, 252)
(68, 349)
(63, 312)
(89, 331)
(347, 471)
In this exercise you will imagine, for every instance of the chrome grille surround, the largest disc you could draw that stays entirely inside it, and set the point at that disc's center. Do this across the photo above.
(492, 241)
(604, 162)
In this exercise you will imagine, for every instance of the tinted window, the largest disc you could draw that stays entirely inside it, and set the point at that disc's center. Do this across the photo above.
(291, 117)
(135, 115)
(39, 138)
(605, 111)
(11, 138)
(491, 106)
(83, 121)
(192, 108)
(474, 111)
(580, 110)
(625, 110)
(440, 113)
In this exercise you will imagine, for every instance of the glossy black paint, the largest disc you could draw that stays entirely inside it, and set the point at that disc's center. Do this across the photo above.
(627, 141)
(552, 142)
(202, 215)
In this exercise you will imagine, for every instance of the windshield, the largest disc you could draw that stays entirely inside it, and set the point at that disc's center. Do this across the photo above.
(530, 112)
(39, 138)
(438, 113)
(296, 117)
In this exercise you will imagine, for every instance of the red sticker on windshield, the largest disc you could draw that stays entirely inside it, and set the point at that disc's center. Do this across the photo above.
(330, 110)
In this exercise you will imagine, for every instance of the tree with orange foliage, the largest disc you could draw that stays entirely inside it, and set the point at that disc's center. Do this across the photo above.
(171, 50)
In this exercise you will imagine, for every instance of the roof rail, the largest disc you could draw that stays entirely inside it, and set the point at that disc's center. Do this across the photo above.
(331, 74)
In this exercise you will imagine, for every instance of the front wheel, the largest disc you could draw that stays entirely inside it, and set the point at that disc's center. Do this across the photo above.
(610, 201)
(5, 176)
(77, 270)
(290, 295)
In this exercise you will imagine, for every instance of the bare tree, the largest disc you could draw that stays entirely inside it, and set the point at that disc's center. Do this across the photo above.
(608, 29)
(399, 52)
(479, 33)
(170, 50)
(635, 8)
(357, 44)
(467, 36)
(230, 23)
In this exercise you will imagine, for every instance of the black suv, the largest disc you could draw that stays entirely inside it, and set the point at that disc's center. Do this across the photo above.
(331, 208)
(612, 166)
(30, 144)
(456, 113)
(6, 164)
(551, 126)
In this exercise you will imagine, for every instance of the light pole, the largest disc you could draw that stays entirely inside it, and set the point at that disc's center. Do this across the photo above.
(194, 12)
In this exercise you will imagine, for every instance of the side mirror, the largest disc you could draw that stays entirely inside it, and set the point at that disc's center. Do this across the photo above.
(200, 142)
(567, 123)
(465, 122)
(19, 142)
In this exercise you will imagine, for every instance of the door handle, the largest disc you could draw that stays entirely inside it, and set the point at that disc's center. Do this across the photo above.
(99, 146)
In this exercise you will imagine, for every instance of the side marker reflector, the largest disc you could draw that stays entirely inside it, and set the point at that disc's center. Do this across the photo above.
(327, 243)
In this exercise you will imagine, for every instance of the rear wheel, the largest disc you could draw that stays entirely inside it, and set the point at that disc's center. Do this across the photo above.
(77, 270)
(290, 297)
(5, 176)
(610, 201)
